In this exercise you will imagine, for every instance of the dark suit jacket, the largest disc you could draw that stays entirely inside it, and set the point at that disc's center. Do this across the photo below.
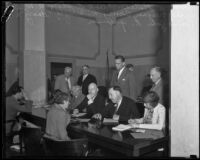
(96, 107)
(126, 110)
(158, 88)
(77, 101)
(126, 82)
(89, 79)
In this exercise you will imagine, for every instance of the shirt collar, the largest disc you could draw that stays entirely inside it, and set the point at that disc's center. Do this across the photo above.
(119, 103)
(157, 81)
(121, 69)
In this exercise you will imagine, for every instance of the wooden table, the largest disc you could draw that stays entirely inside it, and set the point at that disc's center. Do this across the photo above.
(103, 136)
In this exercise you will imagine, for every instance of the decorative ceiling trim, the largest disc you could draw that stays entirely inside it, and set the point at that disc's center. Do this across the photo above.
(133, 8)
(114, 53)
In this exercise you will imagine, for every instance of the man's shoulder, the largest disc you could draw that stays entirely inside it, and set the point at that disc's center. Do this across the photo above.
(100, 97)
(128, 100)
(160, 107)
(60, 76)
(91, 76)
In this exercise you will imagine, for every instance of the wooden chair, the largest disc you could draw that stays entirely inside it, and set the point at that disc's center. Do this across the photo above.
(11, 134)
(72, 148)
(31, 138)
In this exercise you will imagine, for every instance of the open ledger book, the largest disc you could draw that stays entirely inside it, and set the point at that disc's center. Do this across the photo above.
(121, 127)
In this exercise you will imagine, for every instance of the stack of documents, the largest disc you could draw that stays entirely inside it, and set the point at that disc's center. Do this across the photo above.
(83, 119)
(121, 127)
(109, 121)
(148, 134)
(78, 115)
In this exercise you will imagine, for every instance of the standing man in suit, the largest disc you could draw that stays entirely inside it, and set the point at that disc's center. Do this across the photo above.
(155, 75)
(65, 81)
(121, 108)
(85, 79)
(124, 78)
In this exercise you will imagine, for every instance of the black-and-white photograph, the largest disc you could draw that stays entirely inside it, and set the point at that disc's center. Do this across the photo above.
(100, 80)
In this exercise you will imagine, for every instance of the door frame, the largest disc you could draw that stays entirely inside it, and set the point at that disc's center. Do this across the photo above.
(63, 59)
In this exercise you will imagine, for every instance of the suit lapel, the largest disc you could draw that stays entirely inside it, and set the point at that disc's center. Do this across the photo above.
(123, 74)
(121, 106)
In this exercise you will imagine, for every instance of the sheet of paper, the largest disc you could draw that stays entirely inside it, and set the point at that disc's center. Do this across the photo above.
(148, 134)
(109, 121)
(121, 127)
(83, 119)
(78, 114)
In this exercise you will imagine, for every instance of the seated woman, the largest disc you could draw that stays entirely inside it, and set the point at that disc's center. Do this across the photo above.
(16, 102)
(58, 117)
(154, 115)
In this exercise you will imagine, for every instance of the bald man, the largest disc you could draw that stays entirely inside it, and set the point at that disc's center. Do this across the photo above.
(121, 108)
(93, 102)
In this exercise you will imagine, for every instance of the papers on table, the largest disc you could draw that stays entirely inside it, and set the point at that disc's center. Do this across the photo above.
(83, 119)
(109, 121)
(147, 134)
(121, 127)
(78, 115)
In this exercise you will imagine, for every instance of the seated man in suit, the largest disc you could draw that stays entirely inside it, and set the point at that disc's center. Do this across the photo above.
(93, 102)
(154, 115)
(121, 108)
(77, 98)
(65, 81)
(85, 79)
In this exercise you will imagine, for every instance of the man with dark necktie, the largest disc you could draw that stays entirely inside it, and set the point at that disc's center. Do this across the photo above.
(121, 108)
(93, 102)
(85, 79)
(124, 78)
(65, 81)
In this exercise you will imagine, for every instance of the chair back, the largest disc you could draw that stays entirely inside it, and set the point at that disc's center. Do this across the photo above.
(74, 147)
(31, 137)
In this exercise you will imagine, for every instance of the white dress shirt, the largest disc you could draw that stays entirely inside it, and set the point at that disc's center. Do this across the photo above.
(69, 82)
(120, 72)
(118, 104)
(84, 77)
(158, 119)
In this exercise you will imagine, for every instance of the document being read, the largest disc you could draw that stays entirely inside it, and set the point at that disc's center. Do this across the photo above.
(109, 121)
(121, 127)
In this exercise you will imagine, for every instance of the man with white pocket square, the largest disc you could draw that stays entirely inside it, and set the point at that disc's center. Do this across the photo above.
(124, 78)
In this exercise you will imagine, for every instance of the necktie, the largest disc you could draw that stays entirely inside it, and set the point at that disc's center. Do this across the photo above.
(118, 75)
(84, 76)
(115, 108)
(68, 83)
